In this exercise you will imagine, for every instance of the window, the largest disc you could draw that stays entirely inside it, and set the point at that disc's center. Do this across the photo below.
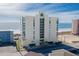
(42, 31)
(41, 14)
(49, 22)
(23, 19)
(34, 22)
(42, 36)
(41, 28)
(41, 20)
(57, 25)
(33, 34)
(23, 28)
(24, 35)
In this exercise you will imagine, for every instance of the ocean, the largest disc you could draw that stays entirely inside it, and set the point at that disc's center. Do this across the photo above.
(64, 26)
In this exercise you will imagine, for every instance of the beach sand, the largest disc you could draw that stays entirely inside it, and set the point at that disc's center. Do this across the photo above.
(68, 37)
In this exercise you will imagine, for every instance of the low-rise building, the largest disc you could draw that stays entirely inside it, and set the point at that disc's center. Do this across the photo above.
(6, 37)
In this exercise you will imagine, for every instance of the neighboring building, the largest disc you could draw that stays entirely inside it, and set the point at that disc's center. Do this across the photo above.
(39, 29)
(75, 27)
(6, 37)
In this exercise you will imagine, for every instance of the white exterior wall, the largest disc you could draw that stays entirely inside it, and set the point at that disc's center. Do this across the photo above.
(46, 29)
(53, 29)
(21, 30)
(37, 30)
(28, 30)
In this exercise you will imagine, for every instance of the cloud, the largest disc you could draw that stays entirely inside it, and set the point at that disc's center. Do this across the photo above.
(13, 12)
(17, 10)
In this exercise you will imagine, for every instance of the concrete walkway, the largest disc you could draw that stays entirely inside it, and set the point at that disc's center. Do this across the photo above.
(9, 51)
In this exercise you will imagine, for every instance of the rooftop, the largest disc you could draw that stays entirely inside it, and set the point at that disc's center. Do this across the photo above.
(61, 52)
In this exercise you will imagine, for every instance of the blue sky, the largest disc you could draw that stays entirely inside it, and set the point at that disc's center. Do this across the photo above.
(65, 12)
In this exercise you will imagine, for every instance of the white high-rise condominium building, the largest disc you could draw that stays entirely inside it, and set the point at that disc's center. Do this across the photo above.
(38, 30)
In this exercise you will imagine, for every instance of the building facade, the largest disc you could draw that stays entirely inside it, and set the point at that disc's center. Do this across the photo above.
(6, 37)
(39, 29)
(75, 26)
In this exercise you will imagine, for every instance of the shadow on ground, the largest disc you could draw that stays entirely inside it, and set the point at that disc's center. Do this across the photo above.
(45, 50)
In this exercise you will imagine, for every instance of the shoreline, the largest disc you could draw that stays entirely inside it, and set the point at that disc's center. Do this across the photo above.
(64, 31)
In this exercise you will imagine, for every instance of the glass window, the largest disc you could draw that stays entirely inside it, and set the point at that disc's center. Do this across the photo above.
(34, 22)
(41, 20)
(41, 36)
(41, 14)
(41, 28)
(49, 22)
